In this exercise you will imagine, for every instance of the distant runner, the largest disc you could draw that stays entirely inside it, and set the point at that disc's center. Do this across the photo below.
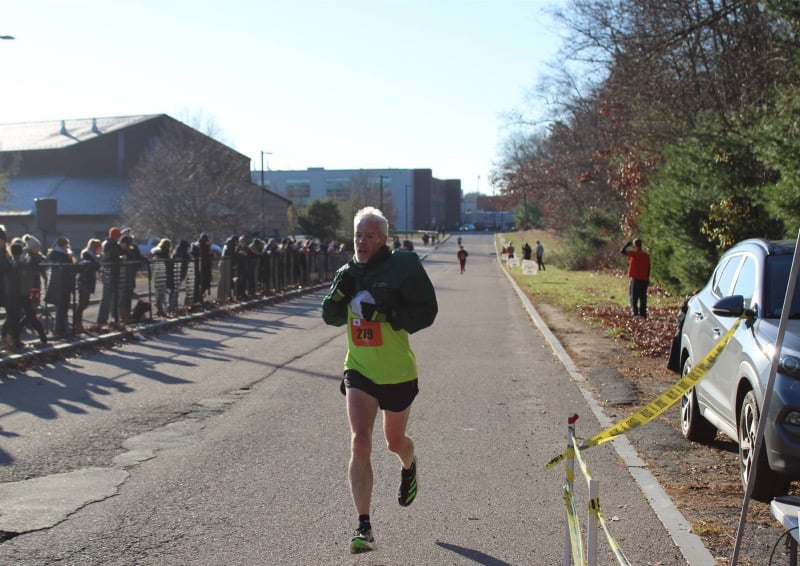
(462, 257)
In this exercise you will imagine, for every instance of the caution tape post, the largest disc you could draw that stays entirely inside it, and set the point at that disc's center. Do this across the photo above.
(569, 469)
(573, 542)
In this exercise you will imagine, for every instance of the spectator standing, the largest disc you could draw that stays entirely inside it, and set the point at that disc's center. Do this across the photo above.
(4, 263)
(382, 296)
(510, 250)
(163, 276)
(639, 273)
(205, 256)
(12, 289)
(37, 276)
(181, 258)
(30, 291)
(61, 284)
(110, 275)
(227, 268)
(257, 252)
(462, 257)
(132, 261)
(526, 251)
(88, 266)
(540, 255)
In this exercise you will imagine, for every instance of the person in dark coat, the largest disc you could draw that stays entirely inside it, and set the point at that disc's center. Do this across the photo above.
(205, 257)
(131, 263)
(110, 260)
(12, 283)
(30, 285)
(88, 266)
(62, 283)
(243, 266)
(4, 262)
(527, 251)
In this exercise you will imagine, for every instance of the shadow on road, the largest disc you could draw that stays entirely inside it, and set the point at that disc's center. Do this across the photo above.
(476, 555)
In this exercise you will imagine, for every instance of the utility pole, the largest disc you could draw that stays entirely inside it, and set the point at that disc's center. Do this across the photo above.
(406, 210)
(263, 196)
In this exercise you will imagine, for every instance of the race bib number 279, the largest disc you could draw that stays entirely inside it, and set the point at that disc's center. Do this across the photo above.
(365, 332)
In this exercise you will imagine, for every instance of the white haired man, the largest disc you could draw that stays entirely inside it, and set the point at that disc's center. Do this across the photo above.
(382, 296)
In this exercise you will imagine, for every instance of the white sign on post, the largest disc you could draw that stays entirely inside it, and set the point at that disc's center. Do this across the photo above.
(513, 263)
(529, 267)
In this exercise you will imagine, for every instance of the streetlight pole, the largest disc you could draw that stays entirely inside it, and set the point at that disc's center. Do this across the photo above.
(263, 196)
(406, 210)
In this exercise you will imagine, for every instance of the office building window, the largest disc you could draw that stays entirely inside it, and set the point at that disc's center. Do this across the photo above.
(298, 191)
(338, 188)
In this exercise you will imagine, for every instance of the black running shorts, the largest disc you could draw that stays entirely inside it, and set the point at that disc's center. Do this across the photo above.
(391, 397)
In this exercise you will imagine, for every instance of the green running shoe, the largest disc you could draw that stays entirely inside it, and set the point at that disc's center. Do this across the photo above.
(362, 541)
(408, 485)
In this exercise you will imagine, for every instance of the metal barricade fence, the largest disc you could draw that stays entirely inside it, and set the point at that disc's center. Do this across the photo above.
(80, 296)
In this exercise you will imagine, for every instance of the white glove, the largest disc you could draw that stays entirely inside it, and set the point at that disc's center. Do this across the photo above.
(361, 297)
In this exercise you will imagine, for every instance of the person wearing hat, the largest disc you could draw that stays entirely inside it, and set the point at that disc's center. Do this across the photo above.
(110, 261)
(35, 274)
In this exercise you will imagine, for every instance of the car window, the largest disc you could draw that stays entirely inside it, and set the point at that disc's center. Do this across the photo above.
(775, 282)
(724, 276)
(746, 281)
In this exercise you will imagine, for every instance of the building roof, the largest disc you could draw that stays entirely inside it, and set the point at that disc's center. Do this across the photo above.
(74, 195)
(56, 134)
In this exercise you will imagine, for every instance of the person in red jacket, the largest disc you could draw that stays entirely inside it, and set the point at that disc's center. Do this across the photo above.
(639, 273)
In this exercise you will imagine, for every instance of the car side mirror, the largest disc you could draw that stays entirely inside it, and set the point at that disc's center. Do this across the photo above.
(732, 306)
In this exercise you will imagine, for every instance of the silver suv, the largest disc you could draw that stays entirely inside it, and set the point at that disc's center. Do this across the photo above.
(750, 278)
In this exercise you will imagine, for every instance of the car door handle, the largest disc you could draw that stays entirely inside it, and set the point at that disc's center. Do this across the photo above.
(698, 316)
(717, 332)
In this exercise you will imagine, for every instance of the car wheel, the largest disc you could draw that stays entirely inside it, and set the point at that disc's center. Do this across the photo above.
(768, 483)
(693, 425)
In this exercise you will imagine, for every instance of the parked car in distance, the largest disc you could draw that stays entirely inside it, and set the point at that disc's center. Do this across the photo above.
(751, 279)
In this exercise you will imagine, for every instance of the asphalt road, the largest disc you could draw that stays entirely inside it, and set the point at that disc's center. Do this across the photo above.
(226, 442)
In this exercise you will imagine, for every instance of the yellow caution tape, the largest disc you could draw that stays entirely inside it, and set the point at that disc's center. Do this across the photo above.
(663, 401)
(574, 528)
(594, 509)
(612, 543)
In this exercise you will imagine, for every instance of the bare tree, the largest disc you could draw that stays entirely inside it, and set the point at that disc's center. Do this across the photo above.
(189, 183)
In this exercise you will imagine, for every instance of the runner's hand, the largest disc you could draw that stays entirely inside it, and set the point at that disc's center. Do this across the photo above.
(345, 288)
(373, 313)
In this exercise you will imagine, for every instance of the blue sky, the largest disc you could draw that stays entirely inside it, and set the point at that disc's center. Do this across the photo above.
(335, 84)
